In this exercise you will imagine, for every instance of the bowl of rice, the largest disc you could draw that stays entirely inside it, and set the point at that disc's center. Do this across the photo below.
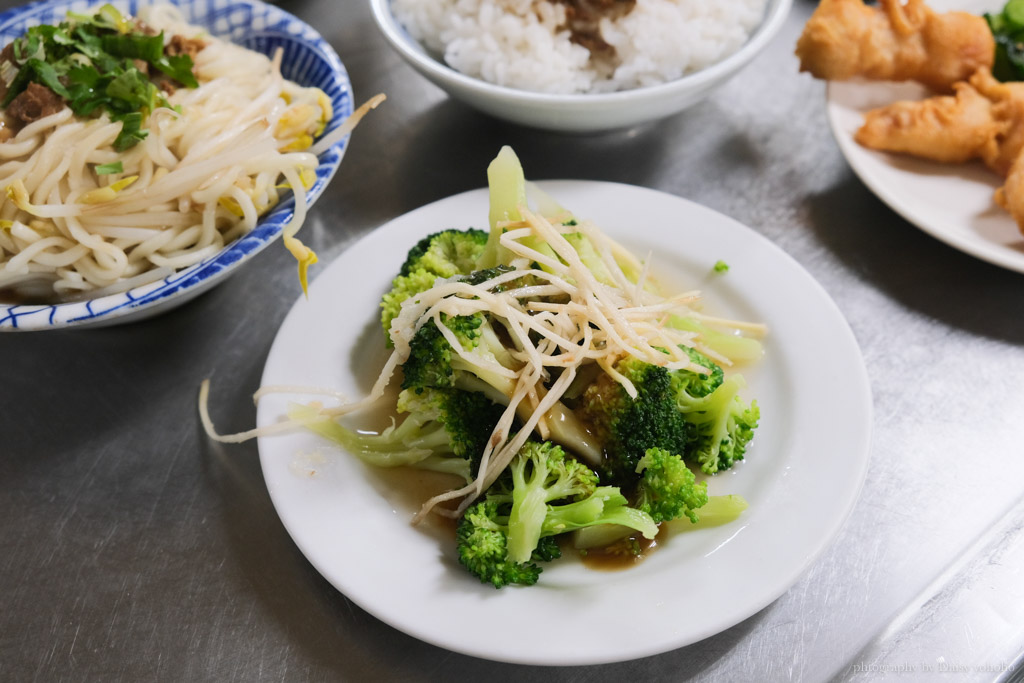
(133, 231)
(579, 65)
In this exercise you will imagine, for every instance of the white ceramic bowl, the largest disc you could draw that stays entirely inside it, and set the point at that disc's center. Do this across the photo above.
(308, 60)
(579, 113)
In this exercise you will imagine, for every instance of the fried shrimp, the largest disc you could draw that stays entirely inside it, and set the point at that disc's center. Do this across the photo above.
(894, 41)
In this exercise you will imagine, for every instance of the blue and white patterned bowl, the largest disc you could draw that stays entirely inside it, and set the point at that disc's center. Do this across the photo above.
(308, 60)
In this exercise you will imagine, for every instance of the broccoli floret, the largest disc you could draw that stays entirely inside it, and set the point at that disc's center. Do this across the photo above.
(722, 424)
(668, 488)
(543, 494)
(554, 494)
(432, 363)
(689, 386)
(445, 430)
(723, 427)
(444, 254)
(541, 473)
(627, 427)
(481, 540)
(697, 415)
(468, 418)
(403, 287)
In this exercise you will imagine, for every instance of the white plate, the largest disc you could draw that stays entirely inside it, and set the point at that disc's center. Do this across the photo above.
(952, 202)
(801, 476)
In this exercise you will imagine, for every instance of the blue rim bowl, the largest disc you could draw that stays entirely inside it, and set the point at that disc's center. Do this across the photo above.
(308, 60)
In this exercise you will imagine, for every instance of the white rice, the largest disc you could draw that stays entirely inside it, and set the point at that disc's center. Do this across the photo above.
(524, 43)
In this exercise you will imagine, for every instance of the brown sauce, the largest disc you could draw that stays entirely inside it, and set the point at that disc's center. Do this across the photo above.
(622, 554)
(407, 488)
(583, 19)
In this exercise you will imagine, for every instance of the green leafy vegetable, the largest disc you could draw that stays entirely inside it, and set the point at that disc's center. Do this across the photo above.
(1008, 30)
(543, 494)
(107, 169)
(131, 132)
(93, 62)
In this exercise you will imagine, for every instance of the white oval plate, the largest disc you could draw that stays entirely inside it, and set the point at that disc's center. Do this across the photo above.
(952, 202)
(801, 476)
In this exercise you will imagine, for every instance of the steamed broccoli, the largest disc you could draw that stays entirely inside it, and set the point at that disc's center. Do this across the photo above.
(481, 540)
(591, 259)
(721, 423)
(446, 253)
(697, 415)
(543, 494)
(689, 387)
(507, 186)
(541, 473)
(443, 254)
(668, 488)
(723, 427)
(433, 363)
(627, 427)
(625, 467)
(445, 430)
(467, 417)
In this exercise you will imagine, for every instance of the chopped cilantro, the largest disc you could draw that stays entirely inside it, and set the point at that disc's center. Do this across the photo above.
(1008, 31)
(107, 169)
(131, 132)
(91, 62)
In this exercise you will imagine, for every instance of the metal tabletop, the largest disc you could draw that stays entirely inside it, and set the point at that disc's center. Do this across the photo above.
(132, 548)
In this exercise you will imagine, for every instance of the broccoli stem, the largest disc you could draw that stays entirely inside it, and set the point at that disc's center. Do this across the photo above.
(507, 184)
(565, 428)
(734, 347)
(529, 509)
(606, 506)
(411, 443)
(717, 511)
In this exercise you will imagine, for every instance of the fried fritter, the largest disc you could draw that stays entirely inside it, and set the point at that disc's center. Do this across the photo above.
(845, 39)
(950, 129)
(983, 120)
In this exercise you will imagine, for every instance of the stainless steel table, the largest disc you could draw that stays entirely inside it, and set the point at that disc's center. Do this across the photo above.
(131, 548)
